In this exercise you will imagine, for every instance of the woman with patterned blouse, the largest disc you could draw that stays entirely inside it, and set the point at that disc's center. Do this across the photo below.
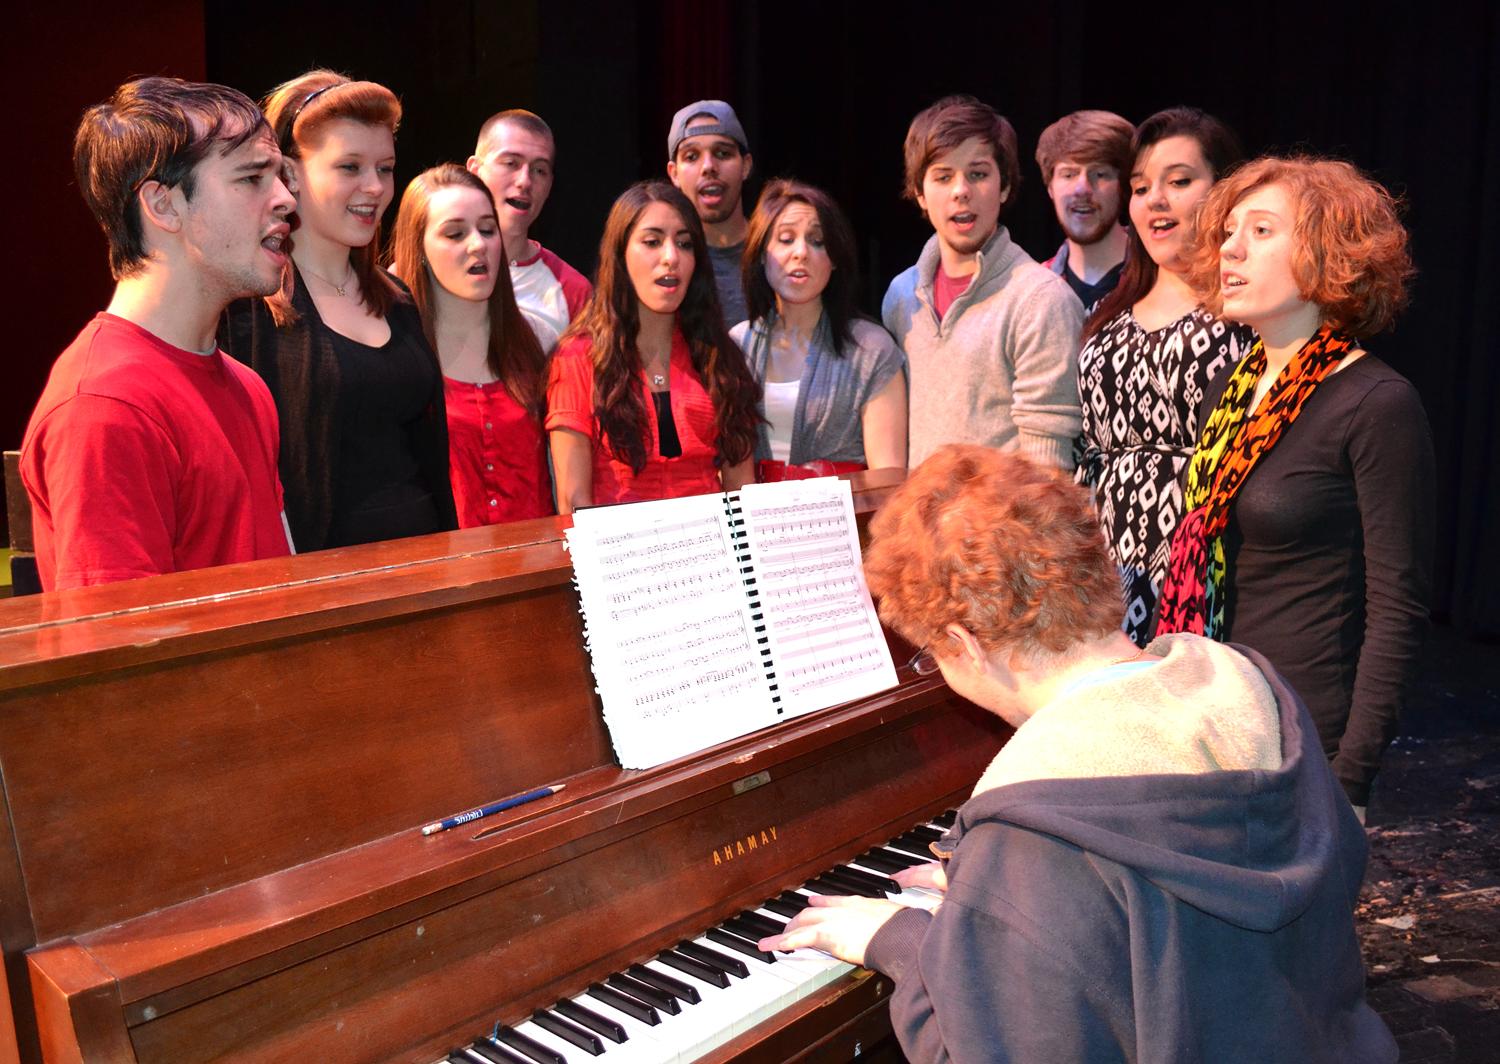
(1149, 352)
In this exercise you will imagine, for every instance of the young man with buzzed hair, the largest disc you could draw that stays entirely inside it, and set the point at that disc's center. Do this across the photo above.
(1084, 158)
(708, 159)
(150, 450)
(515, 157)
(991, 337)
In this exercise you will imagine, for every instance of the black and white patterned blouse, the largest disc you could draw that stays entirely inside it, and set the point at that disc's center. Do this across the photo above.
(1140, 392)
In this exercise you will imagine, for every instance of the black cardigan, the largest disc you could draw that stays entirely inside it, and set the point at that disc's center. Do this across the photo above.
(299, 366)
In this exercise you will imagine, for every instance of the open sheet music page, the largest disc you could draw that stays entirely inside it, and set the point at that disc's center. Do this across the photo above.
(826, 640)
(667, 622)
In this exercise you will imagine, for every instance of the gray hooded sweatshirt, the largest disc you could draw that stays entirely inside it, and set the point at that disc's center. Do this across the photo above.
(1173, 916)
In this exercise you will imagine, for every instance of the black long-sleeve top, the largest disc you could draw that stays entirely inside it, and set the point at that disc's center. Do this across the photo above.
(1329, 554)
(324, 398)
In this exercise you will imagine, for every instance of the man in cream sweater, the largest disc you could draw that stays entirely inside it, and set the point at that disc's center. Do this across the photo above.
(991, 336)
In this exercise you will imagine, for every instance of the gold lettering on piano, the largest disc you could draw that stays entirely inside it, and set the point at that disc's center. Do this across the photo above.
(741, 847)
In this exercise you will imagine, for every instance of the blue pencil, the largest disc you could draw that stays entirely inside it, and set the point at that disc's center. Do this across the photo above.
(493, 807)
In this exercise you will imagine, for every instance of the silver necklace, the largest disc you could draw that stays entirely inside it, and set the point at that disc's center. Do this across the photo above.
(339, 288)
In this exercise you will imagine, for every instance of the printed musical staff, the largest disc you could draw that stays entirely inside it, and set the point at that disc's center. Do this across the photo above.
(710, 617)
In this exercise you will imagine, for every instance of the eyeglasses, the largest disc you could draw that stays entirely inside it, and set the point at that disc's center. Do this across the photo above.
(923, 662)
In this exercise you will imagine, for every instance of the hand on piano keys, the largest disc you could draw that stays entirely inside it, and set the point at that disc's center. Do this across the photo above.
(703, 992)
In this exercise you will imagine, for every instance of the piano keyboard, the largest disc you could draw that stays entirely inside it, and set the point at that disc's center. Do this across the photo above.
(705, 991)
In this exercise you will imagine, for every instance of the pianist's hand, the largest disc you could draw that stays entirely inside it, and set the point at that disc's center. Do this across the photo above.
(931, 875)
(836, 925)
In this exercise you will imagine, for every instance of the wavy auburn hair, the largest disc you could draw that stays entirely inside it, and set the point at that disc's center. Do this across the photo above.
(842, 292)
(515, 357)
(611, 320)
(297, 110)
(1221, 150)
(1350, 252)
(997, 544)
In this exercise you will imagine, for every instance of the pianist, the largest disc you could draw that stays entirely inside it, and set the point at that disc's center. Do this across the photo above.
(1158, 866)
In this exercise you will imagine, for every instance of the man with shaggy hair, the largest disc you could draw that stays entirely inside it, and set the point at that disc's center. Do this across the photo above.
(1084, 158)
(991, 338)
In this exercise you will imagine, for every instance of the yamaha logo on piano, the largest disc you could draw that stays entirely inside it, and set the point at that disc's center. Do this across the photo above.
(747, 845)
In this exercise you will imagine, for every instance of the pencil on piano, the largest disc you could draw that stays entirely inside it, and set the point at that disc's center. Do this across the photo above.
(492, 808)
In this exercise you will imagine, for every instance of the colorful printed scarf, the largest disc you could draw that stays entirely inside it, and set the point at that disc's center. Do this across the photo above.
(1192, 598)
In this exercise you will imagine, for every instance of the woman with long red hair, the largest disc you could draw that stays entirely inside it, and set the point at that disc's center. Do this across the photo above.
(364, 445)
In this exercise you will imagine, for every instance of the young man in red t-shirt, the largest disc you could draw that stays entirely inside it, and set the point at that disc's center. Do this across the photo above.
(150, 450)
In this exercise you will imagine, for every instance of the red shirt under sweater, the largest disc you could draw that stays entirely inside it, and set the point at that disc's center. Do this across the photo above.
(143, 458)
(497, 456)
(570, 405)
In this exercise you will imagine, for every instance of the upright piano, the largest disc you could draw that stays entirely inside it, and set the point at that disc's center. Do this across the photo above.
(214, 783)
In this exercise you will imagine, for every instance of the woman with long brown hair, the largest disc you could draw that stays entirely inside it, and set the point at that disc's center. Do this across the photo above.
(648, 397)
(834, 381)
(364, 447)
(1149, 351)
(447, 248)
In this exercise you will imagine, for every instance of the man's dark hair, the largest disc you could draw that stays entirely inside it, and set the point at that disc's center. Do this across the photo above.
(153, 129)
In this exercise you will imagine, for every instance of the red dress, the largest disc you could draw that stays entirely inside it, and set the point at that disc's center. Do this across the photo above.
(570, 405)
(497, 456)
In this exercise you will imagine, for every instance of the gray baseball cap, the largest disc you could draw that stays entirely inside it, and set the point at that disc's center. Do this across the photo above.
(725, 123)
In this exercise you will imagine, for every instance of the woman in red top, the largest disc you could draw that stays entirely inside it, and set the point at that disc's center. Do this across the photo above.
(648, 397)
(447, 249)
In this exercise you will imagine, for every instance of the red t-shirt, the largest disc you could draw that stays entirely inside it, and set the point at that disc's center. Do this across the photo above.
(570, 405)
(497, 456)
(143, 458)
(946, 289)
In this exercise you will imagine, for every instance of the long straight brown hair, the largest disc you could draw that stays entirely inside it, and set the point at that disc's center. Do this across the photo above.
(612, 320)
(1221, 150)
(515, 357)
(296, 109)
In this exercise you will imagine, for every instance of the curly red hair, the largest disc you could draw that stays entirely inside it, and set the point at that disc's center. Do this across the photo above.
(997, 544)
(1351, 257)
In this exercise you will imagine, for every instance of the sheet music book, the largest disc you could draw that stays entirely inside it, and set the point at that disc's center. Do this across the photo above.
(710, 617)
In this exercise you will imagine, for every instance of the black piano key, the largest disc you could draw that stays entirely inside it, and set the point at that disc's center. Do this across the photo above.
(922, 831)
(624, 1003)
(588, 1041)
(906, 860)
(590, 1019)
(458, 1056)
(714, 959)
(884, 884)
(760, 924)
(739, 945)
(881, 863)
(828, 883)
(642, 992)
(676, 987)
(947, 818)
(782, 907)
(740, 929)
(495, 1053)
(793, 897)
(530, 1047)
(912, 845)
(697, 969)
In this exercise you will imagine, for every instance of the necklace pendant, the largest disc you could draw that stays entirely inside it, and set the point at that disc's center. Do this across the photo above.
(339, 290)
(658, 379)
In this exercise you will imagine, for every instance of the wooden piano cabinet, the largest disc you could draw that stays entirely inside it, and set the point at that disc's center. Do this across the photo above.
(214, 784)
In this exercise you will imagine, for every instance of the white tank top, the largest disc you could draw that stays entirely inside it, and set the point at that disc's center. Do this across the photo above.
(781, 412)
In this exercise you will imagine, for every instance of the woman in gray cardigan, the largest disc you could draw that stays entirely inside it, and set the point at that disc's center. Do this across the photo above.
(835, 382)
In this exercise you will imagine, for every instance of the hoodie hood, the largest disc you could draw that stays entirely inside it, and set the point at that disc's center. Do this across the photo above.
(1248, 845)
